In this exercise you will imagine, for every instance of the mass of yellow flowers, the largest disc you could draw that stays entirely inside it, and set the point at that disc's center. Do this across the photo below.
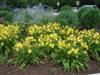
(26, 44)
(50, 40)
(7, 32)
(54, 36)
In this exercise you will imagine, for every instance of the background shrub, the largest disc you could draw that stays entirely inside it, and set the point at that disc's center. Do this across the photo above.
(3, 13)
(45, 19)
(67, 17)
(97, 3)
(7, 15)
(25, 3)
(89, 17)
(66, 8)
(87, 2)
(53, 3)
(17, 3)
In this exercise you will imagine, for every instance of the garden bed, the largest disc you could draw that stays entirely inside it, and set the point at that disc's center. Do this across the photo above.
(46, 69)
(68, 48)
(37, 40)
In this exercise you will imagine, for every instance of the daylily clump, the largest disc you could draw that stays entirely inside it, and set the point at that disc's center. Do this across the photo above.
(65, 45)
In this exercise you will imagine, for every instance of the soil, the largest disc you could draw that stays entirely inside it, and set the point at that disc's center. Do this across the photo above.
(46, 69)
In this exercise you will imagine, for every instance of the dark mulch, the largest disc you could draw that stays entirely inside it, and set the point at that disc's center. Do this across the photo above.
(46, 69)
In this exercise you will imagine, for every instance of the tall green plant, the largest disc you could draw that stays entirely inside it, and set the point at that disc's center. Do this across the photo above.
(67, 17)
(89, 17)
(8, 36)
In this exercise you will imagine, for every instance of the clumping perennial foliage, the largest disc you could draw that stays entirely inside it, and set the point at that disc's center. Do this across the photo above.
(8, 37)
(65, 45)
